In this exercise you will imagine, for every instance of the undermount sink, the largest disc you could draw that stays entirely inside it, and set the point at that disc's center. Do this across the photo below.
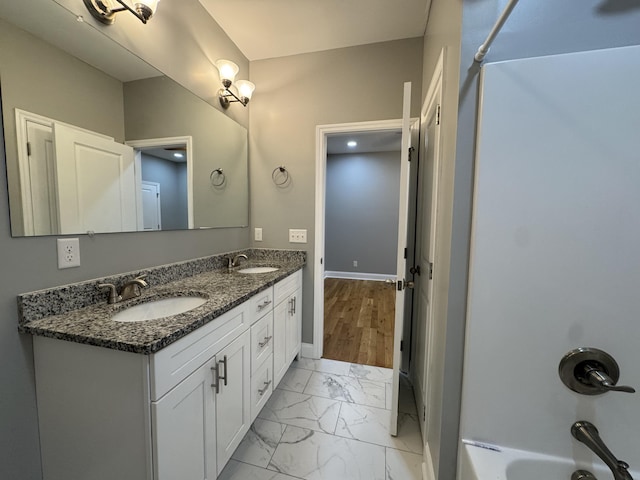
(163, 307)
(258, 269)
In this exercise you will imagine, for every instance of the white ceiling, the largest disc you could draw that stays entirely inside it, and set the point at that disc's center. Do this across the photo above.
(276, 28)
(389, 141)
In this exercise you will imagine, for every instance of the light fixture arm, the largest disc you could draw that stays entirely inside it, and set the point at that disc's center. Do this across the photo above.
(103, 11)
(224, 95)
(126, 7)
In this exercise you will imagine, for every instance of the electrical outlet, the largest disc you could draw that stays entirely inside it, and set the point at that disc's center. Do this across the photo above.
(355, 263)
(297, 235)
(257, 234)
(68, 252)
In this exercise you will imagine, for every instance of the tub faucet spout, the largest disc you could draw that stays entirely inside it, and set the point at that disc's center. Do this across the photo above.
(587, 433)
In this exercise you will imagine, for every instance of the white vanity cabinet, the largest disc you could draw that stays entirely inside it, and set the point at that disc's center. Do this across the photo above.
(176, 414)
(198, 425)
(287, 323)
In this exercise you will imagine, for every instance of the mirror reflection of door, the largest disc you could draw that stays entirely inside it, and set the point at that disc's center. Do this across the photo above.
(151, 216)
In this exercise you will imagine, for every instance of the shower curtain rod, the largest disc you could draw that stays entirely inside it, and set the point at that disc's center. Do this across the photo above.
(484, 48)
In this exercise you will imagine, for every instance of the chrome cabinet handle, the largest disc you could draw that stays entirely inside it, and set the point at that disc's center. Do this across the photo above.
(295, 304)
(216, 378)
(266, 341)
(223, 377)
(291, 310)
(264, 304)
(266, 387)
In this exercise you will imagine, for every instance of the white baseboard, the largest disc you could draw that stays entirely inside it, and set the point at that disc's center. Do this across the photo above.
(378, 277)
(427, 464)
(306, 350)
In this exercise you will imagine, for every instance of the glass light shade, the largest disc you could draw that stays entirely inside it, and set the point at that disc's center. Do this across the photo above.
(228, 71)
(245, 88)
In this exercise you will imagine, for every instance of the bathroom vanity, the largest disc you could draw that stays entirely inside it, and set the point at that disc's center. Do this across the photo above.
(169, 398)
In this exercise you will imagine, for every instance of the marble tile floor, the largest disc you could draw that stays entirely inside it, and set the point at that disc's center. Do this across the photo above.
(328, 420)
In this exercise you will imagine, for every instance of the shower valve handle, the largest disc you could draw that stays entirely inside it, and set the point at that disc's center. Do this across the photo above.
(600, 379)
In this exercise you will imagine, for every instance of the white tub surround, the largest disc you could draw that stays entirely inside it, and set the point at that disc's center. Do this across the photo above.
(554, 254)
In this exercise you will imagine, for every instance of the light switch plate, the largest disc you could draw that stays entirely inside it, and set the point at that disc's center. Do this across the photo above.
(68, 252)
(257, 234)
(297, 235)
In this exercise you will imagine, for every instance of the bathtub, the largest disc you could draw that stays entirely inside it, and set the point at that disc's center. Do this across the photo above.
(498, 463)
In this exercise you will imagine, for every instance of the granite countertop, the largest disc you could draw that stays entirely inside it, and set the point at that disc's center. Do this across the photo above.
(223, 290)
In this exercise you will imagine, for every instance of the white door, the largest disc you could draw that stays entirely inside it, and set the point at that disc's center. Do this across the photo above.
(401, 264)
(183, 422)
(39, 192)
(233, 402)
(151, 213)
(96, 183)
(427, 354)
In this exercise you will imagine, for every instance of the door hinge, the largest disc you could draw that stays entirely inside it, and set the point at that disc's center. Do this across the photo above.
(411, 150)
(438, 115)
(401, 345)
(405, 253)
(321, 261)
(28, 149)
(430, 270)
(157, 195)
(424, 413)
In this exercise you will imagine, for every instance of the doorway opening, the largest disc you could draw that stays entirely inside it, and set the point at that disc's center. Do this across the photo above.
(166, 172)
(361, 242)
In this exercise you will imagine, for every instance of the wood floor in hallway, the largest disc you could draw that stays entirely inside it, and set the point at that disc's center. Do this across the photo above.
(359, 318)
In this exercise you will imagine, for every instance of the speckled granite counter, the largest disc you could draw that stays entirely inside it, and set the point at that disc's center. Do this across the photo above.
(79, 312)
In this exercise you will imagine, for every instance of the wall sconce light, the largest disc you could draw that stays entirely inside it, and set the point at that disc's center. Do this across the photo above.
(105, 10)
(228, 71)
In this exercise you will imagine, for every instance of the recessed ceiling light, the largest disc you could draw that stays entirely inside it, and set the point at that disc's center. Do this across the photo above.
(178, 155)
(352, 143)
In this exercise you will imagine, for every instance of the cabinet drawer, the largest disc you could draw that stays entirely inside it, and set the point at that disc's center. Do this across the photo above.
(261, 340)
(261, 303)
(286, 287)
(261, 387)
(176, 362)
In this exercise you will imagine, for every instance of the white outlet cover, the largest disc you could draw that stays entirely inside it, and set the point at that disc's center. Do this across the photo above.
(258, 234)
(68, 252)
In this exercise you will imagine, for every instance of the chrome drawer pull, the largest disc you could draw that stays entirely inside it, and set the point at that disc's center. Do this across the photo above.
(216, 378)
(266, 341)
(223, 377)
(266, 387)
(264, 304)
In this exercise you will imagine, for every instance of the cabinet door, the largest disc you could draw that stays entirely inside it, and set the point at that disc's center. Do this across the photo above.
(294, 317)
(233, 402)
(183, 423)
(280, 363)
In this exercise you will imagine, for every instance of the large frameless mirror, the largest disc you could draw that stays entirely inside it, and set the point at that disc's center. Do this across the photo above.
(98, 141)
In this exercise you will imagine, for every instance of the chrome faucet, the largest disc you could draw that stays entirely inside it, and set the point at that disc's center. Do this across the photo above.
(131, 289)
(235, 261)
(587, 433)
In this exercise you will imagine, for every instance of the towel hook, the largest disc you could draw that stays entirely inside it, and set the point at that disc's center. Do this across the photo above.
(217, 177)
(280, 176)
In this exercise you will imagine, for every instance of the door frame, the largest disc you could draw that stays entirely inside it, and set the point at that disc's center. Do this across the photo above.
(187, 140)
(315, 349)
(433, 100)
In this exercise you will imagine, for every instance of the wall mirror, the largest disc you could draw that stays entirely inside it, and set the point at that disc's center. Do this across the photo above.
(98, 141)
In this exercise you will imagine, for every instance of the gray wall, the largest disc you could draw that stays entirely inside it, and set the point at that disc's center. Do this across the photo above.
(173, 194)
(39, 78)
(361, 212)
(298, 93)
(185, 41)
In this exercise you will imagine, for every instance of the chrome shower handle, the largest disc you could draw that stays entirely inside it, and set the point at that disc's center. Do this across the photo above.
(600, 379)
